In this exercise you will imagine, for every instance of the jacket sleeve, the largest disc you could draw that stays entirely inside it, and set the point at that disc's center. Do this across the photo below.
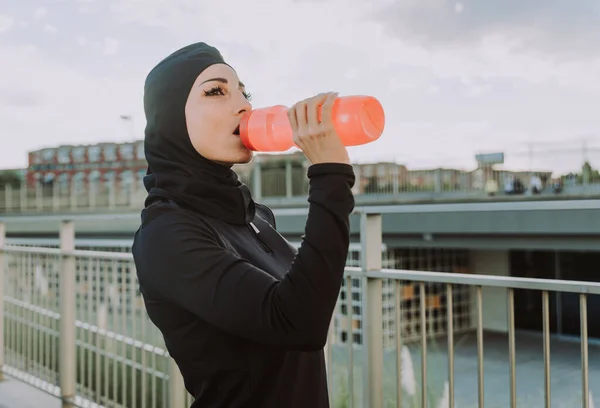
(228, 292)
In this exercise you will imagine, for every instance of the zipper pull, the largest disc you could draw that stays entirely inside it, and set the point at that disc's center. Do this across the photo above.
(260, 241)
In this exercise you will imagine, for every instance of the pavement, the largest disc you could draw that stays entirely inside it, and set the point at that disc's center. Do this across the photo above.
(17, 394)
(565, 379)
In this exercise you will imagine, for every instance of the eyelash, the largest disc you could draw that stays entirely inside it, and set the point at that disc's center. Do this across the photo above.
(217, 90)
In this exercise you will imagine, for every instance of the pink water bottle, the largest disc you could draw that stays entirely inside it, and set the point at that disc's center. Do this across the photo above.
(357, 119)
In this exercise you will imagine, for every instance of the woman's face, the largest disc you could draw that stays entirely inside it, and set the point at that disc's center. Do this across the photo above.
(213, 111)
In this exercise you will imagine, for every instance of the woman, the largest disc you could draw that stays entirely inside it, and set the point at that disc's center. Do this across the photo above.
(244, 314)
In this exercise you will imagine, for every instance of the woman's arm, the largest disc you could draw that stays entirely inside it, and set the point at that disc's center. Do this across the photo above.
(185, 263)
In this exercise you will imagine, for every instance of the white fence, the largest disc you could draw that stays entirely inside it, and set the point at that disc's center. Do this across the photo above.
(74, 325)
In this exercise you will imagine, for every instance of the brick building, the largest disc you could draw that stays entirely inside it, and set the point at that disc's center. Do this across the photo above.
(82, 165)
(124, 164)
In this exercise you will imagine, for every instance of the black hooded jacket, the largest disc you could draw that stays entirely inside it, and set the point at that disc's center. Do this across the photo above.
(244, 314)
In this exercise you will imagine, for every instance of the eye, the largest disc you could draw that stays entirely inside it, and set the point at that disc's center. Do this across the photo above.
(216, 91)
(219, 91)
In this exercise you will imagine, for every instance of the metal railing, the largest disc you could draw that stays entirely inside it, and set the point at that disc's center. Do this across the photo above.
(74, 325)
(280, 188)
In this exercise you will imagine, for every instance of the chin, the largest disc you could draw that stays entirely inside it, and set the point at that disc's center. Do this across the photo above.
(242, 157)
(245, 157)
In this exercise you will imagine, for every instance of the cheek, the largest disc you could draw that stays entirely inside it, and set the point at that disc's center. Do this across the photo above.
(213, 139)
(202, 128)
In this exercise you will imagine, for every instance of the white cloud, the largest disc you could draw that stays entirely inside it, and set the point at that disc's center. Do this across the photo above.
(56, 104)
(6, 22)
(479, 90)
(81, 40)
(442, 103)
(111, 46)
(346, 41)
(557, 29)
(50, 29)
(86, 6)
(40, 13)
(352, 53)
(433, 90)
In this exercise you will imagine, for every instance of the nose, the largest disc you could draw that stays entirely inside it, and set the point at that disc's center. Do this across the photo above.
(242, 104)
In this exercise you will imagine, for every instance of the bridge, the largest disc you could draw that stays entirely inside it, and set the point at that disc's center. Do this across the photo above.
(74, 325)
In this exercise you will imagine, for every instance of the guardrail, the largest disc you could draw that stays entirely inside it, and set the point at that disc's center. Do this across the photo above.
(273, 190)
(75, 326)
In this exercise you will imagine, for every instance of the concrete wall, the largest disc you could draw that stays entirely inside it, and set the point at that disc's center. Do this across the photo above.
(495, 300)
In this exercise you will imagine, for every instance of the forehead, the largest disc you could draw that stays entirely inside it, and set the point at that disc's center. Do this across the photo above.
(218, 72)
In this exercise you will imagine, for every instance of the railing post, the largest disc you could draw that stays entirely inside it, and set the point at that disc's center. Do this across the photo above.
(23, 197)
(176, 386)
(112, 194)
(92, 195)
(395, 181)
(39, 197)
(55, 196)
(8, 197)
(68, 353)
(371, 243)
(289, 180)
(2, 271)
(133, 190)
(438, 180)
(73, 195)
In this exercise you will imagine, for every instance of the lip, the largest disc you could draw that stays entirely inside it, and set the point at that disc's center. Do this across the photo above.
(237, 130)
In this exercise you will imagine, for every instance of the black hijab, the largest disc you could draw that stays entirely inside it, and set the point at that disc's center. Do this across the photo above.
(176, 170)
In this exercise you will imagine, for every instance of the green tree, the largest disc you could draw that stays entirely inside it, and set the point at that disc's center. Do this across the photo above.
(588, 174)
(10, 177)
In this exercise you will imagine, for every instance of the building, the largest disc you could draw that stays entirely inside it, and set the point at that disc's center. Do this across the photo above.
(79, 166)
(123, 165)
(348, 318)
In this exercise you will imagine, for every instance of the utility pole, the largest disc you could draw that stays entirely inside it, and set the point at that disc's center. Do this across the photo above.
(530, 151)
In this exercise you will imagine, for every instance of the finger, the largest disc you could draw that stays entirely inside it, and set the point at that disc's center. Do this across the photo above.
(312, 109)
(326, 110)
(293, 119)
(301, 117)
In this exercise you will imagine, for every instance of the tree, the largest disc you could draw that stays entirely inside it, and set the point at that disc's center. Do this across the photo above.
(588, 174)
(10, 177)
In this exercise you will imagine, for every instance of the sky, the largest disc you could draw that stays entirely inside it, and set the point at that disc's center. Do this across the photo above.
(454, 78)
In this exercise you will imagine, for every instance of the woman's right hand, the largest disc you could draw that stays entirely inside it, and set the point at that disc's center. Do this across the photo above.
(318, 139)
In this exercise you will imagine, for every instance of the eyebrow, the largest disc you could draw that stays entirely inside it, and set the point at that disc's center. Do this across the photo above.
(223, 81)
